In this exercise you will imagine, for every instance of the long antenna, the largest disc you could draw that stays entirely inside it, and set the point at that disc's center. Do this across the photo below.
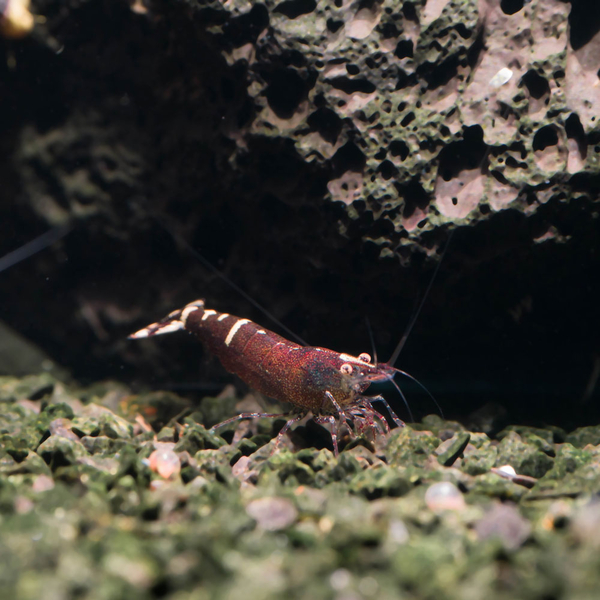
(422, 387)
(208, 265)
(372, 338)
(415, 316)
(403, 400)
(33, 247)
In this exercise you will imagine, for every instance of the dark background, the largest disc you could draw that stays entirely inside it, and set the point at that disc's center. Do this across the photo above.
(134, 132)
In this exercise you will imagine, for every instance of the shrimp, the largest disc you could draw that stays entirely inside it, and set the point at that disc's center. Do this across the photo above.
(327, 384)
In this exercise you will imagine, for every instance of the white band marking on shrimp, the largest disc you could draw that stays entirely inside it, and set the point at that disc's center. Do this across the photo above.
(142, 333)
(156, 329)
(208, 313)
(173, 326)
(234, 329)
(262, 331)
(185, 313)
(223, 316)
(352, 359)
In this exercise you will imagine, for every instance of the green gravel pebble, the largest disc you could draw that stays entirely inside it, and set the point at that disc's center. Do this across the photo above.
(84, 515)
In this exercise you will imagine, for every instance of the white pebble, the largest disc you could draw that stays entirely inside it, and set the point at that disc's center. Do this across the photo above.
(444, 496)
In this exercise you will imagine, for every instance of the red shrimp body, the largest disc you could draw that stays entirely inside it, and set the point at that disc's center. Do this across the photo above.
(310, 378)
(269, 363)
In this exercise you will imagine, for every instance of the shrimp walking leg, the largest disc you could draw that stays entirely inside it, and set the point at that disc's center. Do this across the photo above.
(249, 415)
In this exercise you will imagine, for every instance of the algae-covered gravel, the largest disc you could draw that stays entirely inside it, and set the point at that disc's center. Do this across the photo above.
(108, 495)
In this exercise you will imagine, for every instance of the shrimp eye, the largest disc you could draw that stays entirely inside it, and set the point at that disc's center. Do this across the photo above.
(364, 357)
(346, 369)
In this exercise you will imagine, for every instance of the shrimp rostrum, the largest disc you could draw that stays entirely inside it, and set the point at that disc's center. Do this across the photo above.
(327, 384)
